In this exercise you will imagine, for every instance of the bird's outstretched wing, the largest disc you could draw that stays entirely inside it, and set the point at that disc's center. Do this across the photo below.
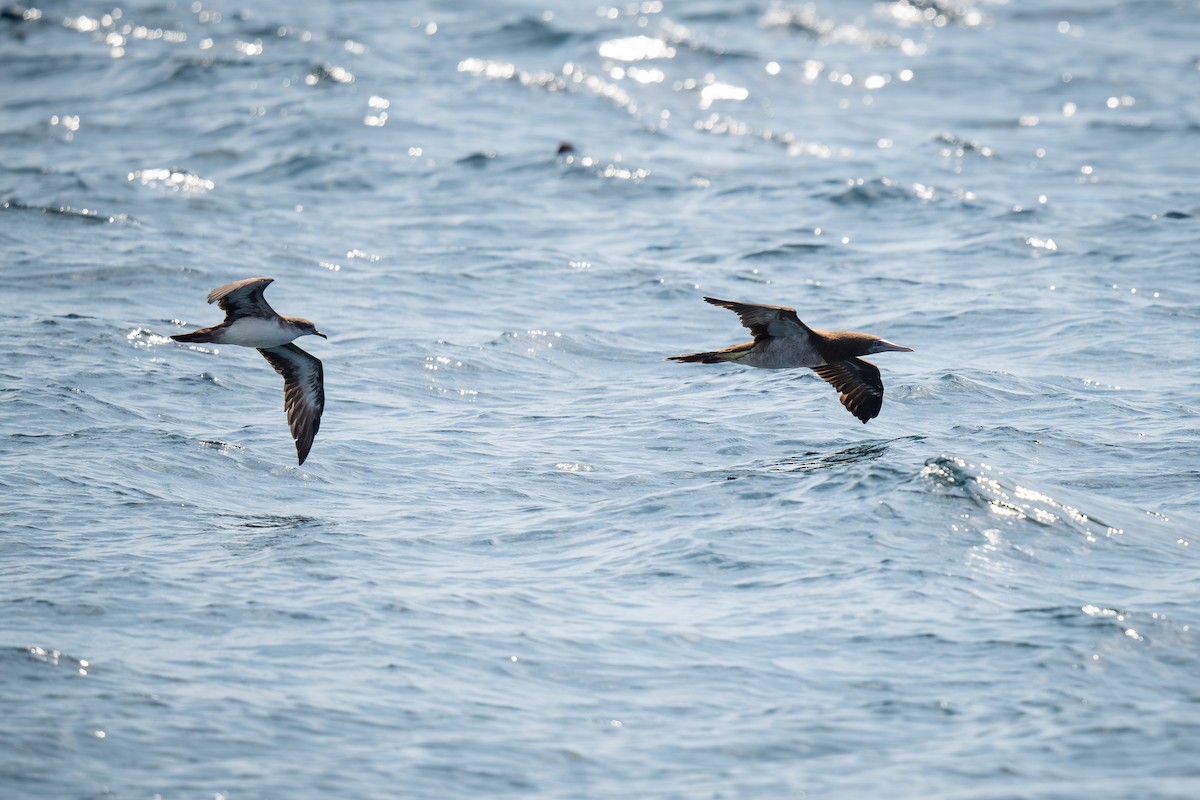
(859, 383)
(242, 298)
(303, 391)
(765, 320)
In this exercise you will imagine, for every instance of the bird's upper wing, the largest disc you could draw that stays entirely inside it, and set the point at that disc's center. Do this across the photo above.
(765, 320)
(243, 297)
(859, 383)
(303, 392)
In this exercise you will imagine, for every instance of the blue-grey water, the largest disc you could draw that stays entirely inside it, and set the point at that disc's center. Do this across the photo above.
(528, 557)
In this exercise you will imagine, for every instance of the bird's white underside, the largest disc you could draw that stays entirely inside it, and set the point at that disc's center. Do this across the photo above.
(783, 353)
(258, 332)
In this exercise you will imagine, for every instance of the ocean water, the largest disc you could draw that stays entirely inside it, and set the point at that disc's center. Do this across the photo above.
(528, 557)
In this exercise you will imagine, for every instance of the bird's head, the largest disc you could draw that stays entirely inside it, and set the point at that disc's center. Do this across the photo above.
(307, 328)
(877, 345)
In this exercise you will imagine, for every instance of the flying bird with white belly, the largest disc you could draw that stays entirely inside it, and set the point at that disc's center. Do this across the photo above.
(251, 322)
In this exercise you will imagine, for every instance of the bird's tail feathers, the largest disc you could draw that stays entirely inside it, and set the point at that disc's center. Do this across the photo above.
(202, 335)
(733, 353)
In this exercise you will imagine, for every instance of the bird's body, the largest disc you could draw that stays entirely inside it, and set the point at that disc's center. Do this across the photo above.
(247, 332)
(251, 322)
(778, 352)
(782, 341)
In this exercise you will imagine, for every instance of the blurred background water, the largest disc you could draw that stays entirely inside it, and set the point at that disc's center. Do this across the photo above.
(527, 557)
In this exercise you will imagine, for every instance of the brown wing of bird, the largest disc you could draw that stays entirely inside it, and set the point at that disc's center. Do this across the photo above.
(860, 385)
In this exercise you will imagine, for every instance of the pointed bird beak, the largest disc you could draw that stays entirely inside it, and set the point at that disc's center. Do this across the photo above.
(884, 346)
(318, 333)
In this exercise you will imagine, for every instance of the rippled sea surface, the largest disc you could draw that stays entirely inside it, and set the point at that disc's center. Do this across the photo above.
(528, 557)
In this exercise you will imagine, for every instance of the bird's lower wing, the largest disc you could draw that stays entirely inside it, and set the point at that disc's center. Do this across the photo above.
(860, 385)
(303, 392)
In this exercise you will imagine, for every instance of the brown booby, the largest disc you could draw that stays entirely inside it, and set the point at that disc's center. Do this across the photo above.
(251, 322)
(782, 341)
